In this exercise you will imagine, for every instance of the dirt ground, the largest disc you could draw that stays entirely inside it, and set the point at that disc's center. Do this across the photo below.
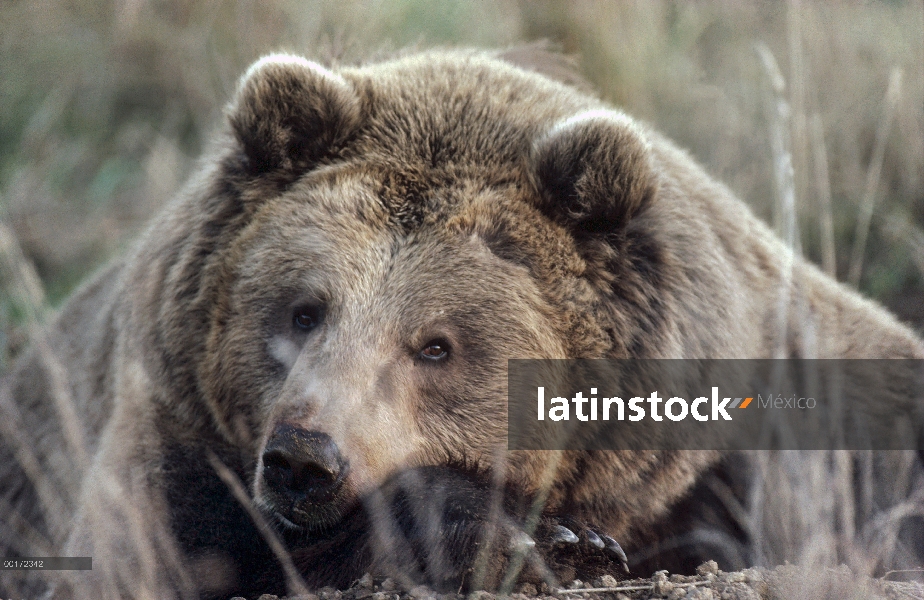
(781, 583)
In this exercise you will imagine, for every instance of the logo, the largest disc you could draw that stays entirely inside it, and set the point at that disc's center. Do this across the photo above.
(606, 409)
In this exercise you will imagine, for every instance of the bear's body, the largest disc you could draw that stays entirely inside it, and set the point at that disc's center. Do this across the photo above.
(328, 310)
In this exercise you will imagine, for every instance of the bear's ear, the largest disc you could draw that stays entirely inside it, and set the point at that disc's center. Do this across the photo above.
(593, 172)
(289, 114)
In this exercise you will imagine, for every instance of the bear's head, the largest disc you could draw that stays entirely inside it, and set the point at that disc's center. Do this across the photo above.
(408, 228)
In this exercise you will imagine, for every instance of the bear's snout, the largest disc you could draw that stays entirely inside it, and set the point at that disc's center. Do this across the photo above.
(303, 471)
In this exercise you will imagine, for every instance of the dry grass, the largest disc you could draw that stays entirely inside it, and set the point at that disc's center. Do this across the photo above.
(107, 105)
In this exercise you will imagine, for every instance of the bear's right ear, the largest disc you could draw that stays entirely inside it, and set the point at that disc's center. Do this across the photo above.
(289, 114)
(593, 172)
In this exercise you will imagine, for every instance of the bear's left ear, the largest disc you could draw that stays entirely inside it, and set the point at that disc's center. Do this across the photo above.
(289, 114)
(593, 172)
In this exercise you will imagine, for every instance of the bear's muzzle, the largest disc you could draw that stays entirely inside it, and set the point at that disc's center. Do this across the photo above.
(303, 472)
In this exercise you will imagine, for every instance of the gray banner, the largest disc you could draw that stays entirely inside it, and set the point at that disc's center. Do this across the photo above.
(48, 563)
(715, 404)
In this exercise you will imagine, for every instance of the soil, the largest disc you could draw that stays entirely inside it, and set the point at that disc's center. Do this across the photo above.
(781, 583)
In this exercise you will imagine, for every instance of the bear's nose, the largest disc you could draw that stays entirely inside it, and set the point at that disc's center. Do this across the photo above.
(302, 464)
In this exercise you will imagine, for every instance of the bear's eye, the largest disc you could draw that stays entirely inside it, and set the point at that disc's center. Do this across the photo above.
(435, 350)
(306, 318)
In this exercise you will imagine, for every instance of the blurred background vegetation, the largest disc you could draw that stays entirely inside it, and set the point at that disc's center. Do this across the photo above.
(105, 106)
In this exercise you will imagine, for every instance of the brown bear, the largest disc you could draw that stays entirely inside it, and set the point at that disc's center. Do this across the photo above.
(299, 373)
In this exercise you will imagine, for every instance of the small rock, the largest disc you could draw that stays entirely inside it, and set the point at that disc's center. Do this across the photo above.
(365, 581)
(698, 593)
(381, 596)
(268, 597)
(736, 577)
(621, 596)
(659, 576)
(677, 593)
(361, 594)
(389, 585)
(328, 593)
(528, 589)
(753, 576)
(302, 597)
(608, 581)
(421, 592)
(664, 587)
(238, 598)
(710, 566)
(576, 584)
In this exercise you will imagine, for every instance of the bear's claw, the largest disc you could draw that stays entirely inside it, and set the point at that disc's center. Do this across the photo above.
(594, 540)
(562, 535)
(584, 546)
(520, 541)
(614, 547)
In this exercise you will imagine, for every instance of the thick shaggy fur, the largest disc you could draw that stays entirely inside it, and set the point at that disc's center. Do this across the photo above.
(446, 196)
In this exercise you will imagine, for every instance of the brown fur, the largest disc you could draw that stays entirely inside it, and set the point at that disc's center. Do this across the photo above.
(445, 195)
